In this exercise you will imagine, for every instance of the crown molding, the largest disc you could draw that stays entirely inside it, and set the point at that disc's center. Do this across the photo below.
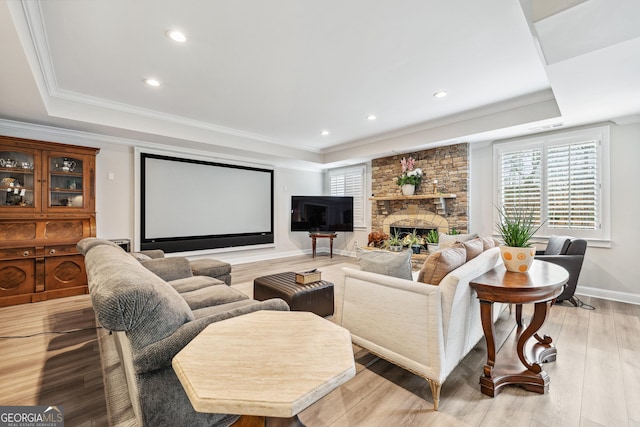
(64, 103)
(493, 109)
(627, 120)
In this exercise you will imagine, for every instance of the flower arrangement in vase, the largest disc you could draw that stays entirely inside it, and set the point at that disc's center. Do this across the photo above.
(410, 177)
(517, 227)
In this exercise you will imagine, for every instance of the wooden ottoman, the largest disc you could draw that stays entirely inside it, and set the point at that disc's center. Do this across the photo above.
(316, 297)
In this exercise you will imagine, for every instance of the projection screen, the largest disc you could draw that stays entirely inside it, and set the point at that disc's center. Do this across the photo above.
(192, 204)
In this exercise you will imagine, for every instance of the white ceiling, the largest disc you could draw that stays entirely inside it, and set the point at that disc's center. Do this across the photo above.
(263, 79)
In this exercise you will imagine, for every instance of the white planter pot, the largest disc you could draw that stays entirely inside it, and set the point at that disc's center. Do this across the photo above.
(432, 247)
(408, 189)
(517, 260)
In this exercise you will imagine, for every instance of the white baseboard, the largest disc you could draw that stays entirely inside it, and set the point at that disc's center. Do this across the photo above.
(610, 295)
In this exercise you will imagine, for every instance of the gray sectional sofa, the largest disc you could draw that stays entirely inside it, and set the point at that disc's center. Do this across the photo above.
(155, 307)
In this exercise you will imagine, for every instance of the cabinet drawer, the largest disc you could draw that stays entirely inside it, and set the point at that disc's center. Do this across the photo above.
(64, 272)
(60, 250)
(17, 253)
(17, 277)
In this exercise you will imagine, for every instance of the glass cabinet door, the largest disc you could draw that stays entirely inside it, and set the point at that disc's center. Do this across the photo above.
(18, 176)
(66, 182)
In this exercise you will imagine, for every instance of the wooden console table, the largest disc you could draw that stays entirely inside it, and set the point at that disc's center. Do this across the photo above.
(329, 236)
(540, 286)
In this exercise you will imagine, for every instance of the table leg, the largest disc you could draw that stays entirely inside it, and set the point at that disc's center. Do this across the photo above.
(313, 246)
(257, 421)
(519, 315)
(530, 353)
(330, 247)
(486, 314)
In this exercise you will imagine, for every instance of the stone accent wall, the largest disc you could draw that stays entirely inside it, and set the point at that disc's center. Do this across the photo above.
(449, 165)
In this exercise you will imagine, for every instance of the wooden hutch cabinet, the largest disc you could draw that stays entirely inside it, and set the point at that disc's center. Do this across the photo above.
(47, 204)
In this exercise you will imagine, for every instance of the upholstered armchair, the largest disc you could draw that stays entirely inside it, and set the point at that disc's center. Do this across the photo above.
(567, 252)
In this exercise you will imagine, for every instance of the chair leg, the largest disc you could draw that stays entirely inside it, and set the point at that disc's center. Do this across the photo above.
(435, 392)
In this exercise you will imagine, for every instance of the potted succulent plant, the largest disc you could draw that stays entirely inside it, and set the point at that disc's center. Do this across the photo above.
(517, 226)
(432, 238)
(394, 243)
(414, 241)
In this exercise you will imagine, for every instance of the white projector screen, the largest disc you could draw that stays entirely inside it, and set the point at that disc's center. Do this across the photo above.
(193, 204)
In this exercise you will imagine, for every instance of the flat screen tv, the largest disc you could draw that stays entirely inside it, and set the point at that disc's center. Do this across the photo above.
(321, 213)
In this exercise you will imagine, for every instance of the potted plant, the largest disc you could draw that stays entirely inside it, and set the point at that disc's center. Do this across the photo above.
(394, 243)
(432, 238)
(517, 225)
(414, 241)
(410, 177)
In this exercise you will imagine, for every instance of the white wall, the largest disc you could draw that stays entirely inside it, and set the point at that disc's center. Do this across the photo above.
(610, 273)
(115, 197)
(116, 194)
(116, 205)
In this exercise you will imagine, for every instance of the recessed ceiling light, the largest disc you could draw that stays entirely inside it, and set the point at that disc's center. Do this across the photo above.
(325, 133)
(152, 82)
(177, 36)
(440, 94)
(371, 117)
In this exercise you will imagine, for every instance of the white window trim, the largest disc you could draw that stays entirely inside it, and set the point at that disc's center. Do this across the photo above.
(362, 170)
(598, 238)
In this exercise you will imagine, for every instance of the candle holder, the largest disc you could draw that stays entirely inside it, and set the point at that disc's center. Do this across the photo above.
(435, 186)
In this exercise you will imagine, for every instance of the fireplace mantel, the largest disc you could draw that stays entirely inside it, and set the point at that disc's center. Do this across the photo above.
(438, 200)
(416, 196)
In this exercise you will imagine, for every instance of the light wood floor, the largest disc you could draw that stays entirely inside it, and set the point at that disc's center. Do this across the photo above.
(594, 382)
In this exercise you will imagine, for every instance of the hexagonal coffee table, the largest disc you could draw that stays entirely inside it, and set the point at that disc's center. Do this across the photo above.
(265, 363)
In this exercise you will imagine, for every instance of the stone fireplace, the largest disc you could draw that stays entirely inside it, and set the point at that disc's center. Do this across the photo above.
(444, 209)
(423, 220)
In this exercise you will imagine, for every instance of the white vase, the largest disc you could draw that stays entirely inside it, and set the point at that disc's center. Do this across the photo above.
(408, 189)
(517, 260)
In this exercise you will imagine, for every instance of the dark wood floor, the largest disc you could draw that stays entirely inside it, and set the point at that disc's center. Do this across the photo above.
(594, 382)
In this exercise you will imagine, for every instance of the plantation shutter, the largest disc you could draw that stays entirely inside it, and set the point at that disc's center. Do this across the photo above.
(521, 181)
(572, 186)
(350, 182)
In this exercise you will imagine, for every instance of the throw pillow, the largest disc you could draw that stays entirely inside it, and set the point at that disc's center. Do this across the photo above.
(473, 248)
(440, 263)
(396, 264)
(488, 243)
(557, 245)
(448, 240)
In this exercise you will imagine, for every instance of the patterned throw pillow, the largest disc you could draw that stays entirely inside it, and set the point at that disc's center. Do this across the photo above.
(396, 264)
(440, 263)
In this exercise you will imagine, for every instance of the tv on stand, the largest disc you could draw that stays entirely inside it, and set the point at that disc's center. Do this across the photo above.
(321, 214)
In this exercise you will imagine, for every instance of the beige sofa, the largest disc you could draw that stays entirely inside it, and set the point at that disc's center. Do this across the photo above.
(423, 328)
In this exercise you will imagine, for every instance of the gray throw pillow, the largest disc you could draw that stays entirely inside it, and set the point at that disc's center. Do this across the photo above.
(396, 264)
(557, 245)
(450, 240)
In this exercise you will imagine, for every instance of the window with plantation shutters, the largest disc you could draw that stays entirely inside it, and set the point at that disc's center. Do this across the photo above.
(563, 180)
(572, 186)
(350, 182)
(521, 180)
